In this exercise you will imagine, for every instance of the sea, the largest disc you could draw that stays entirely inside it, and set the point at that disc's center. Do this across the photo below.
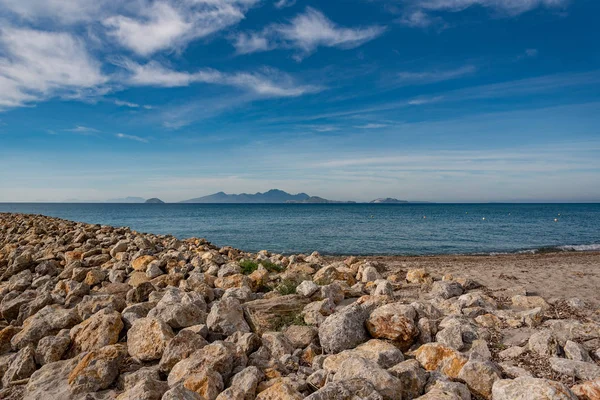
(353, 229)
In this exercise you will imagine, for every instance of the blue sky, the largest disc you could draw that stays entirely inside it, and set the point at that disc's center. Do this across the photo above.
(439, 100)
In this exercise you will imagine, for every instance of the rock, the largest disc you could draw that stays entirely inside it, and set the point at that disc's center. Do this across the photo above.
(94, 277)
(530, 389)
(327, 275)
(434, 356)
(528, 302)
(179, 392)
(446, 289)
(577, 352)
(120, 247)
(91, 304)
(48, 321)
(141, 263)
(140, 293)
(301, 336)
(480, 351)
(589, 390)
(207, 383)
(344, 330)
(134, 312)
(147, 338)
(244, 384)
(12, 302)
(217, 356)
(418, 276)
(51, 348)
(586, 371)
(451, 337)
(6, 335)
(316, 312)
(412, 377)
(51, 381)
(97, 369)
(392, 322)
(512, 352)
(247, 342)
(352, 389)
(307, 288)
(154, 270)
(510, 371)
(227, 317)
(179, 309)
(267, 314)
(480, 377)
(21, 366)
(385, 383)
(544, 343)
(370, 274)
(180, 347)
(383, 288)
(280, 391)
(101, 329)
(140, 385)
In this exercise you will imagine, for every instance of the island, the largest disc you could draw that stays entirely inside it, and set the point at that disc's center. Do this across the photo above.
(154, 200)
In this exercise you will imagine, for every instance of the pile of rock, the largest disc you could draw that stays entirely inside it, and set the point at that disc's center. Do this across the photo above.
(95, 312)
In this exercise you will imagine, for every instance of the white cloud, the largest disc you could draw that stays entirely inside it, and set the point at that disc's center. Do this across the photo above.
(37, 65)
(122, 103)
(306, 32)
(270, 83)
(172, 24)
(531, 52)
(131, 137)
(507, 7)
(284, 3)
(84, 130)
(246, 43)
(417, 13)
(424, 77)
(62, 11)
(371, 126)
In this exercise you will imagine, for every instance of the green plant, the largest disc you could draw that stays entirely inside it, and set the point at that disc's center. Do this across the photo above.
(287, 320)
(287, 286)
(271, 267)
(248, 266)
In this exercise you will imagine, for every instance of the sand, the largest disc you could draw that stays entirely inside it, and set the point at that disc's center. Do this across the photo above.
(550, 275)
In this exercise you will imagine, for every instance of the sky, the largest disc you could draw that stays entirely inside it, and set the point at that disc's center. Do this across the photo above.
(432, 100)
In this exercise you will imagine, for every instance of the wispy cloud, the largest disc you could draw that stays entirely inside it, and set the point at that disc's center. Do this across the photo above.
(418, 13)
(372, 126)
(284, 3)
(129, 104)
(131, 137)
(37, 65)
(269, 83)
(306, 32)
(83, 130)
(425, 77)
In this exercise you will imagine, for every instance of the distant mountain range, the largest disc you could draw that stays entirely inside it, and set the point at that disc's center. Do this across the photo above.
(273, 196)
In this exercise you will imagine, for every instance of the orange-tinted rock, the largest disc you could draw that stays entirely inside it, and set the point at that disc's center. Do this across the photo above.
(434, 356)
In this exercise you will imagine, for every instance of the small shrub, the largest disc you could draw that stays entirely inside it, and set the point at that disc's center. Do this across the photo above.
(271, 267)
(248, 266)
(287, 286)
(288, 320)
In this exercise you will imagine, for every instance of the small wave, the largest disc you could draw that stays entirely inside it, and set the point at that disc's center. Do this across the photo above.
(581, 247)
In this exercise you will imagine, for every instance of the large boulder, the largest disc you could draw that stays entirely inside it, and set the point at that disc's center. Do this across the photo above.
(346, 390)
(20, 366)
(268, 314)
(480, 377)
(180, 347)
(217, 356)
(585, 371)
(344, 329)
(179, 309)
(227, 317)
(394, 322)
(434, 356)
(97, 369)
(525, 388)
(48, 321)
(385, 383)
(101, 329)
(412, 376)
(51, 382)
(148, 338)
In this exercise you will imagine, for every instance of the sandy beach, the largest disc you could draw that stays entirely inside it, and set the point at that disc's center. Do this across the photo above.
(550, 275)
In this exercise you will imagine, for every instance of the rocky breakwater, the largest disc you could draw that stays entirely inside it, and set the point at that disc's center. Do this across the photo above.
(95, 312)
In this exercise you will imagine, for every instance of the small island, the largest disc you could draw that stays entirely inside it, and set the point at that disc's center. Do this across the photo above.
(154, 200)
(388, 200)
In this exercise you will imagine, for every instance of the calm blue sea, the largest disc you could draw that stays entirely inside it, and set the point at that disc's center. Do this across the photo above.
(366, 229)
